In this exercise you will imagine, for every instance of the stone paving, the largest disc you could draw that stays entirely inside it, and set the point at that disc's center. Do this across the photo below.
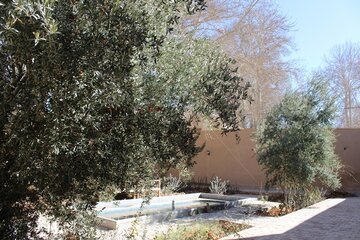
(336, 218)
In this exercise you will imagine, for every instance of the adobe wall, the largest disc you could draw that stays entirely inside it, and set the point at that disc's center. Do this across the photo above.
(235, 161)
(348, 149)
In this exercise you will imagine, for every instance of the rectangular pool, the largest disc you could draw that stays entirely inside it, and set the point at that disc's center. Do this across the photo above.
(176, 206)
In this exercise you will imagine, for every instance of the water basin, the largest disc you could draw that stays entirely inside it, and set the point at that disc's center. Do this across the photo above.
(111, 213)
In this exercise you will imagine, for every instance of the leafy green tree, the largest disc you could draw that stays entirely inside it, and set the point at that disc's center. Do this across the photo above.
(295, 144)
(97, 93)
(202, 82)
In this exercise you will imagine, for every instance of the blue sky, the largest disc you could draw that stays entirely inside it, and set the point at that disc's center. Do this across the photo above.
(320, 25)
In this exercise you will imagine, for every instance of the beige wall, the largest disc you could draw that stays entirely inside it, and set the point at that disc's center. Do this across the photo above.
(348, 149)
(236, 161)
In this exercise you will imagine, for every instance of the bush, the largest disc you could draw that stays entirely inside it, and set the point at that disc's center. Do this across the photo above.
(203, 231)
(218, 186)
(295, 145)
(171, 184)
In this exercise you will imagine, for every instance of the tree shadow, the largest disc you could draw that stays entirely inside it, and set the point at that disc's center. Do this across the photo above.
(342, 221)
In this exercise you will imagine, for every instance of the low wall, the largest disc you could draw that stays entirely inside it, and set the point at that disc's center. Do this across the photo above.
(236, 161)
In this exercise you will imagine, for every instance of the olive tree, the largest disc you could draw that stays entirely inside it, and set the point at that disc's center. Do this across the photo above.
(96, 93)
(258, 35)
(295, 144)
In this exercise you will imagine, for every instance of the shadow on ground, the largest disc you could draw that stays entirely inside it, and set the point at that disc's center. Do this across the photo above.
(341, 221)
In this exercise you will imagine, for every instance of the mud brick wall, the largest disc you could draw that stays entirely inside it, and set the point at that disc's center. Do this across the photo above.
(235, 161)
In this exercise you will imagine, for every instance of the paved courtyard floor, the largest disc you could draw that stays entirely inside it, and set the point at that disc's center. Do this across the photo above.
(337, 218)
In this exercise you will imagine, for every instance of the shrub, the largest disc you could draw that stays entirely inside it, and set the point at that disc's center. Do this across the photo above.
(203, 231)
(218, 186)
(172, 184)
(295, 144)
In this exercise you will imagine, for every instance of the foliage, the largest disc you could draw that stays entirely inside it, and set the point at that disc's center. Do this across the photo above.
(204, 230)
(185, 173)
(218, 186)
(82, 227)
(109, 193)
(296, 200)
(92, 94)
(295, 144)
(306, 197)
(258, 36)
(171, 184)
(205, 84)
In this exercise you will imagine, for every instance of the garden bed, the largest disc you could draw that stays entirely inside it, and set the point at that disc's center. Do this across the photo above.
(203, 231)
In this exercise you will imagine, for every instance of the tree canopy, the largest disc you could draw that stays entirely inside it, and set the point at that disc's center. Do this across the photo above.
(94, 93)
(295, 144)
(258, 36)
(343, 73)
